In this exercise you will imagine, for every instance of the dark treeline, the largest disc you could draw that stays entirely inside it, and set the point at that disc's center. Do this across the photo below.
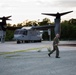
(68, 29)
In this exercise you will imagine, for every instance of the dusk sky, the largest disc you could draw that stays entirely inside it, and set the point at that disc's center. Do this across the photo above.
(22, 10)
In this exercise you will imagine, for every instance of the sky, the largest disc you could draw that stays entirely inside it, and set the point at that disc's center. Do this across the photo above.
(22, 10)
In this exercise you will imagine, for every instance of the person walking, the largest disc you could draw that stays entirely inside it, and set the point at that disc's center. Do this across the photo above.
(55, 46)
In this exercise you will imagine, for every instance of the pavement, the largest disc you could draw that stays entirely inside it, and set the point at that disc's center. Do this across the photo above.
(12, 46)
(33, 59)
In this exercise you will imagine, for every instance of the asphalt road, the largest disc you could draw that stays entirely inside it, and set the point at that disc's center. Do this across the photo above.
(20, 59)
(38, 63)
(12, 46)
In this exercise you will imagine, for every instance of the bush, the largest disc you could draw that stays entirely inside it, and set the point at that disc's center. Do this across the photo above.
(9, 35)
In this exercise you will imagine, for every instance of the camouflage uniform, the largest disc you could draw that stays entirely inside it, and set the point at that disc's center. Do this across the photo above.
(55, 47)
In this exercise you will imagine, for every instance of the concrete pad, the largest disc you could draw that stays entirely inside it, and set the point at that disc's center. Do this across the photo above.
(12, 46)
(34, 62)
(38, 63)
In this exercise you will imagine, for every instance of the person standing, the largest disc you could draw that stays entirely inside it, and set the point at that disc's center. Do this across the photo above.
(55, 46)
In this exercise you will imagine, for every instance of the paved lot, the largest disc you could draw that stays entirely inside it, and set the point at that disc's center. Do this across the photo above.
(34, 62)
(38, 63)
(12, 46)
